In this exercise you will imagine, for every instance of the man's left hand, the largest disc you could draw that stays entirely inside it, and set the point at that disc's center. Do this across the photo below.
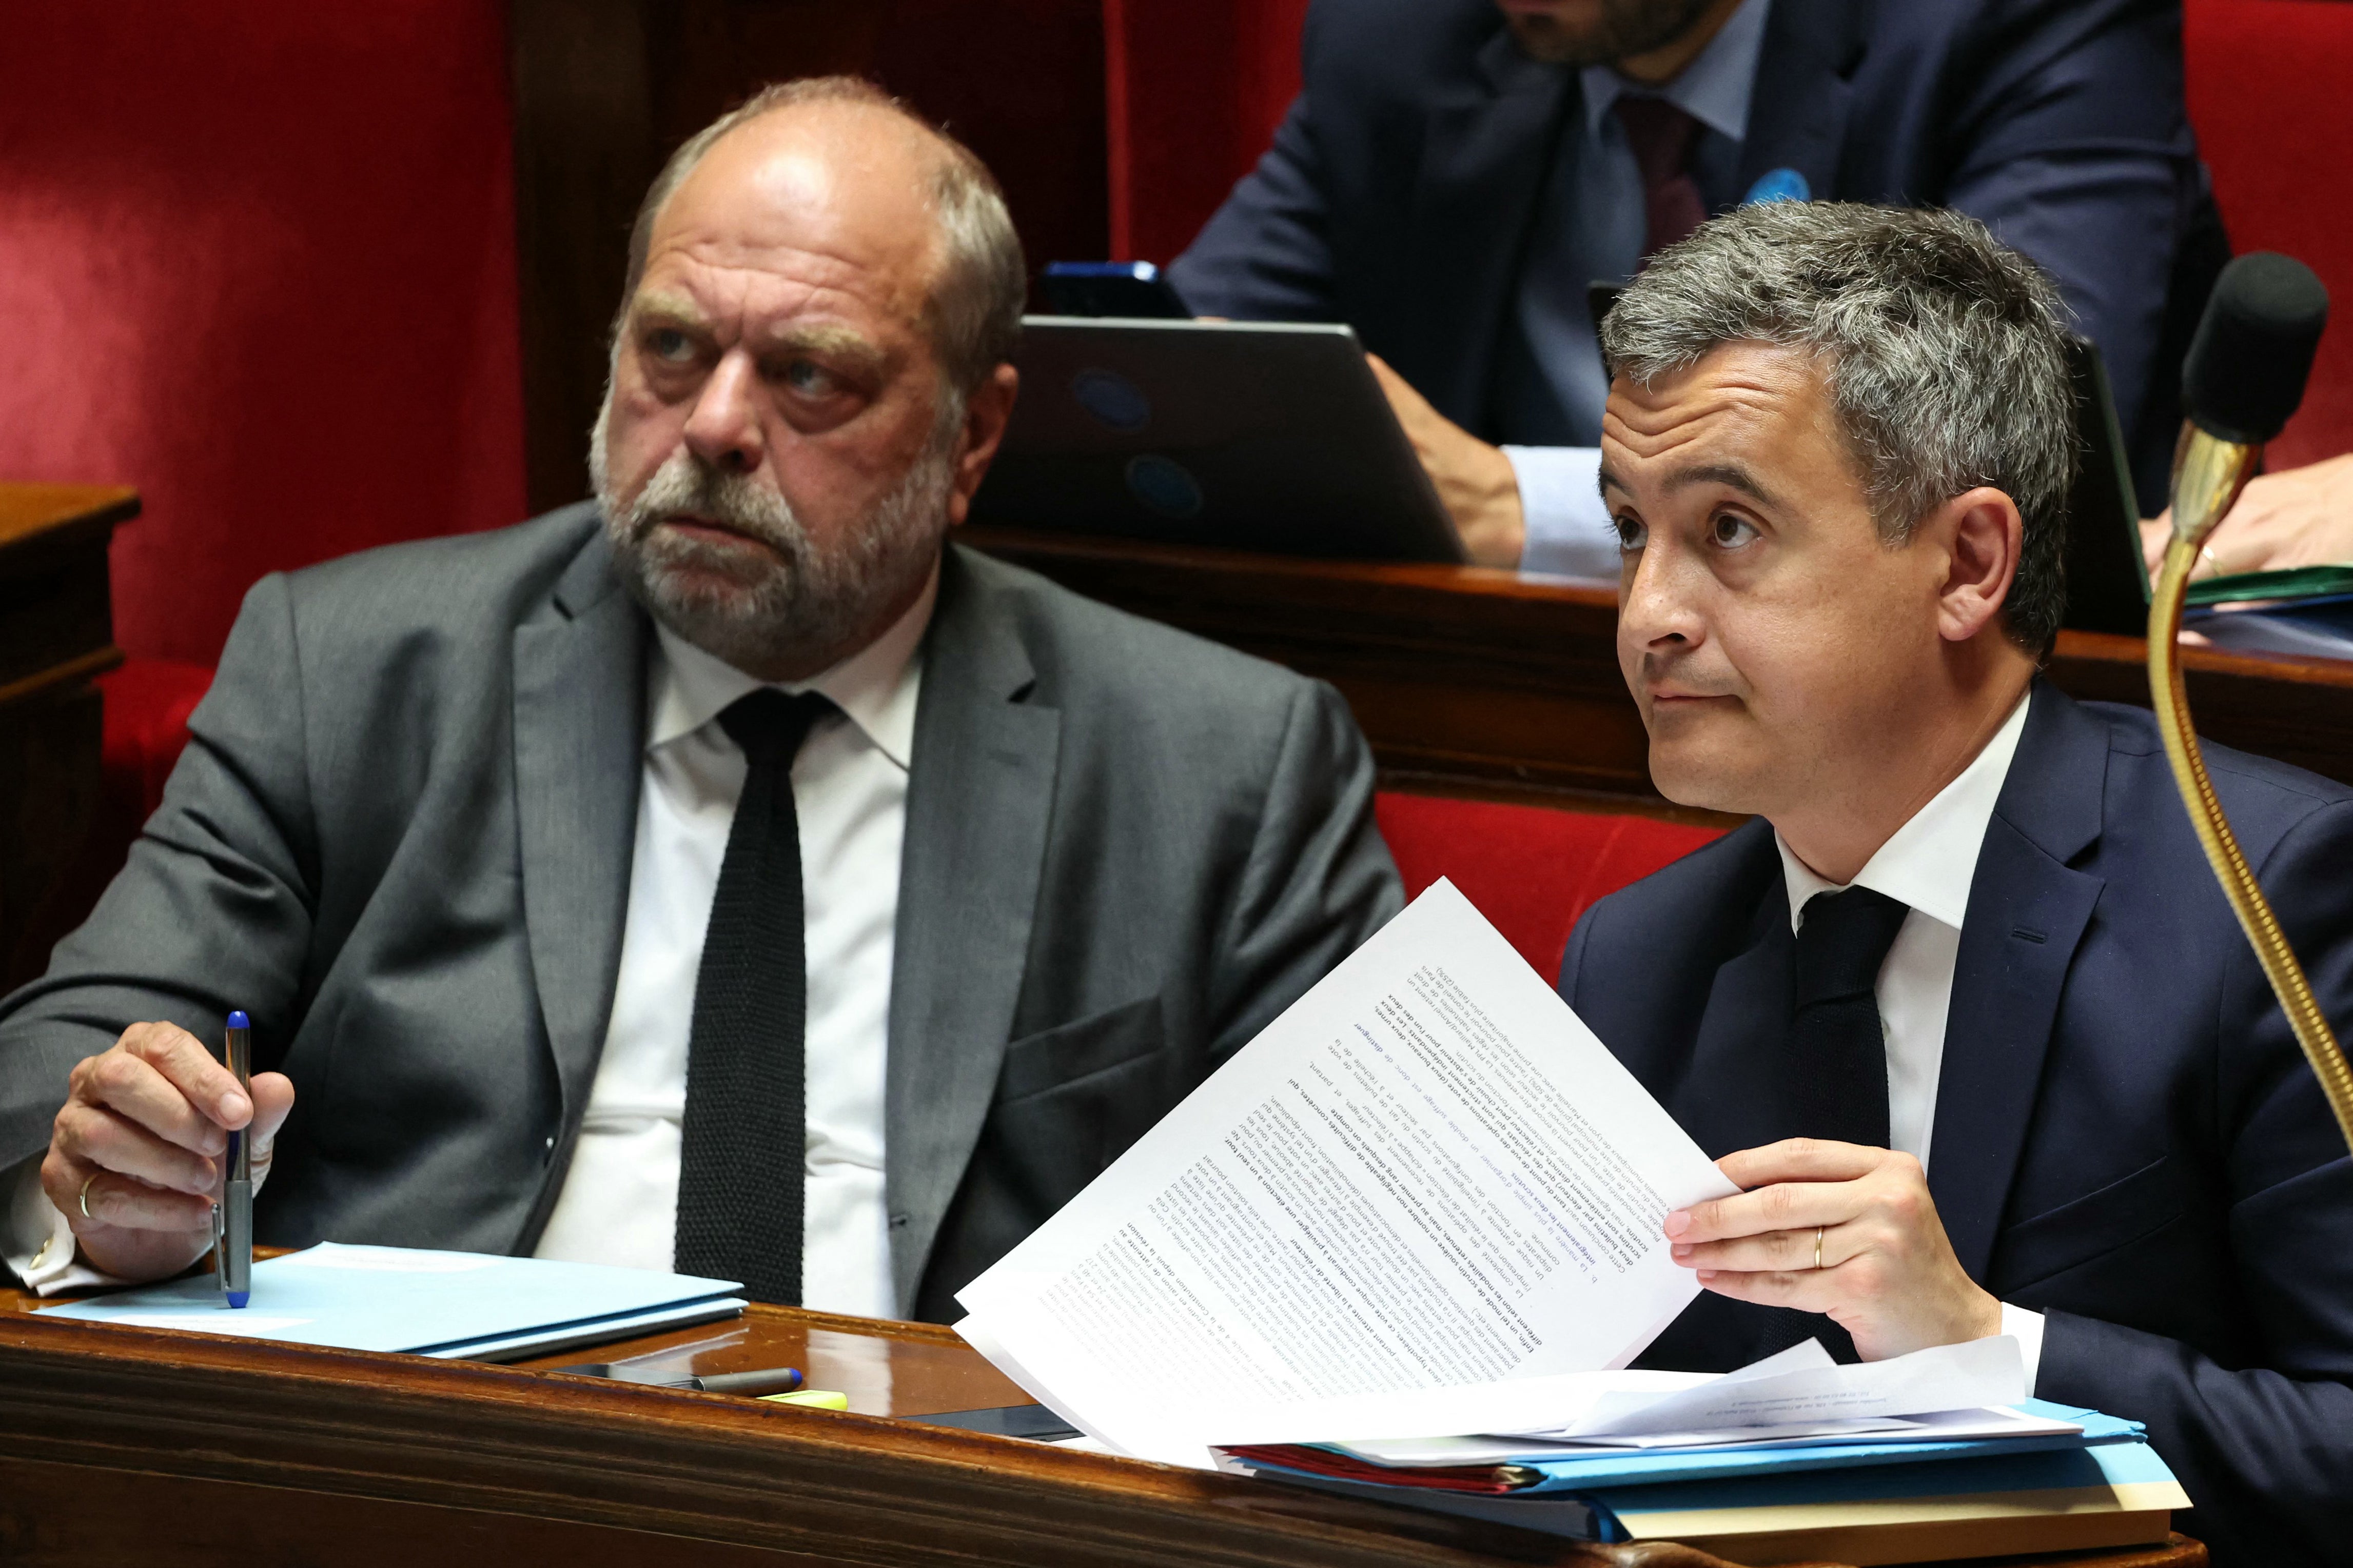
(1475, 481)
(1887, 1275)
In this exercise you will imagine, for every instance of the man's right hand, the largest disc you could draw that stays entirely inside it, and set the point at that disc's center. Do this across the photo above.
(135, 1161)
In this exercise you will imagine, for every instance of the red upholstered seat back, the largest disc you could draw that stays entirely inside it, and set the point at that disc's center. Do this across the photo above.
(1531, 870)
(257, 260)
(2268, 82)
(1193, 92)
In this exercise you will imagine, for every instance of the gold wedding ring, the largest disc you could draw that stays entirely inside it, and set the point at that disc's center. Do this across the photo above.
(1818, 1247)
(84, 1199)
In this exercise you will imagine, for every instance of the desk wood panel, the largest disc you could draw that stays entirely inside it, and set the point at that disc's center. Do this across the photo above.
(172, 1450)
(427, 1450)
(1467, 680)
(56, 632)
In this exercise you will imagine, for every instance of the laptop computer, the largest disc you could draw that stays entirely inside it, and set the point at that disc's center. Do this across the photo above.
(1265, 436)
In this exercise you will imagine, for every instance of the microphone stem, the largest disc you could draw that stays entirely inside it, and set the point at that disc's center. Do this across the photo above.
(2209, 473)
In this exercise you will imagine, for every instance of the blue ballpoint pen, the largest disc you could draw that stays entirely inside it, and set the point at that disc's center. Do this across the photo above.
(234, 1258)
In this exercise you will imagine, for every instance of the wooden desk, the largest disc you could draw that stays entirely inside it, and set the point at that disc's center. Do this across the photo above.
(1467, 680)
(128, 1446)
(56, 631)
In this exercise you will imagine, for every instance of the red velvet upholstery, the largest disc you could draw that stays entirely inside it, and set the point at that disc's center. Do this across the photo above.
(257, 260)
(2268, 82)
(148, 701)
(1531, 870)
(1193, 92)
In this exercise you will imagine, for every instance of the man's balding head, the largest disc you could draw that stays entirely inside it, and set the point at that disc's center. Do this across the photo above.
(980, 280)
(809, 375)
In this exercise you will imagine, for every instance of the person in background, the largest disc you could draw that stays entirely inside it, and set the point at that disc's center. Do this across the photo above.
(1961, 1009)
(1456, 174)
(2297, 517)
(726, 874)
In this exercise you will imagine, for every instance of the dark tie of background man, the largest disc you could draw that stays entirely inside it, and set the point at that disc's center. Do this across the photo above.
(743, 1146)
(1660, 136)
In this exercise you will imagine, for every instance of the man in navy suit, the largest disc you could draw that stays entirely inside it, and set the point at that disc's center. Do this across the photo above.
(1962, 1010)
(1458, 171)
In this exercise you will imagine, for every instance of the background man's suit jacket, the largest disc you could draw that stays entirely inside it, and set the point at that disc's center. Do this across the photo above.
(2127, 1137)
(400, 838)
(1398, 194)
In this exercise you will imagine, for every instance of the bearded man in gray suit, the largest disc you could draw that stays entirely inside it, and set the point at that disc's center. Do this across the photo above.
(727, 873)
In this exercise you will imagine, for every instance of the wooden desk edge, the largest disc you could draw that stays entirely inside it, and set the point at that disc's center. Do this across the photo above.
(707, 1467)
(29, 510)
(1500, 586)
(517, 1441)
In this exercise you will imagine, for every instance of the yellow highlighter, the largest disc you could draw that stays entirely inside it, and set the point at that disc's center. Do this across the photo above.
(812, 1398)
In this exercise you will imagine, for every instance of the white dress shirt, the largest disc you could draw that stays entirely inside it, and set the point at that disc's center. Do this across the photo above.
(1927, 866)
(620, 1201)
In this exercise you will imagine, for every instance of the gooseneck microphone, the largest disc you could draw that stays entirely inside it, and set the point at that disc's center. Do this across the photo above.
(2245, 376)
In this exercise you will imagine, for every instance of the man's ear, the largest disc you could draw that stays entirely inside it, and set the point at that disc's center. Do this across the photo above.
(987, 413)
(1983, 534)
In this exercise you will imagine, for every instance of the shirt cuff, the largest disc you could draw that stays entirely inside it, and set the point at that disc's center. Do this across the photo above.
(2026, 1328)
(37, 1242)
(1568, 530)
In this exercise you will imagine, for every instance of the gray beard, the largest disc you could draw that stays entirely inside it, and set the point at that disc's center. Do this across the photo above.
(1625, 27)
(798, 611)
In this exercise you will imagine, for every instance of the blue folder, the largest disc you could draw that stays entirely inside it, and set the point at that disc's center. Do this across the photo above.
(445, 1304)
(1591, 1498)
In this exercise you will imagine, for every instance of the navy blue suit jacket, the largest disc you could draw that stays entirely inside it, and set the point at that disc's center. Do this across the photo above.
(1398, 192)
(2126, 1137)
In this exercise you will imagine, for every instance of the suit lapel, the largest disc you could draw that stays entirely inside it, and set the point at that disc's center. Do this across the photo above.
(1483, 161)
(979, 794)
(2027, 914)
(1726, 1098)
(1798, 112)
(579, 732)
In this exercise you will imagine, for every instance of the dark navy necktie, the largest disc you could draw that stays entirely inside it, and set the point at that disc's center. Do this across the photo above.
(743, 1147)
(1836, 1064)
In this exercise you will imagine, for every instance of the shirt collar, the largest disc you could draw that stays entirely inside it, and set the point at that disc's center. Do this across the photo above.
(1713, 89)
(876, 687)
(1931, 859)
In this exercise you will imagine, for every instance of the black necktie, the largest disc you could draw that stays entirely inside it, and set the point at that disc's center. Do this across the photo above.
(1836, 1065)
(1830, 1080)
(743, 1143)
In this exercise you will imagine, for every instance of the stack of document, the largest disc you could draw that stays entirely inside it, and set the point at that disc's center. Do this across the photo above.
(1426, 1206)
(2061, 1480)
(454, 1305)
(1758, 1467)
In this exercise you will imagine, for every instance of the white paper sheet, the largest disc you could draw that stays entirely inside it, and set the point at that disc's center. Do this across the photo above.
(1773, 1394)
(1424, 1201)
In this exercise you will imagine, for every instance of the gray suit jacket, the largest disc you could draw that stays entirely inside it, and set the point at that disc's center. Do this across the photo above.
(400, 838)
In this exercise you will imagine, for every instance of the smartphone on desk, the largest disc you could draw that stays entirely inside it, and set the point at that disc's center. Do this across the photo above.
(1137, 290)
(1034, 1422)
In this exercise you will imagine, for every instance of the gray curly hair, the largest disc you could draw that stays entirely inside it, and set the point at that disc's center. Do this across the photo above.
(1946, 352)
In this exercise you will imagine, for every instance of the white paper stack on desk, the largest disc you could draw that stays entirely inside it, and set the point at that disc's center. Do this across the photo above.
(1424, 1205)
